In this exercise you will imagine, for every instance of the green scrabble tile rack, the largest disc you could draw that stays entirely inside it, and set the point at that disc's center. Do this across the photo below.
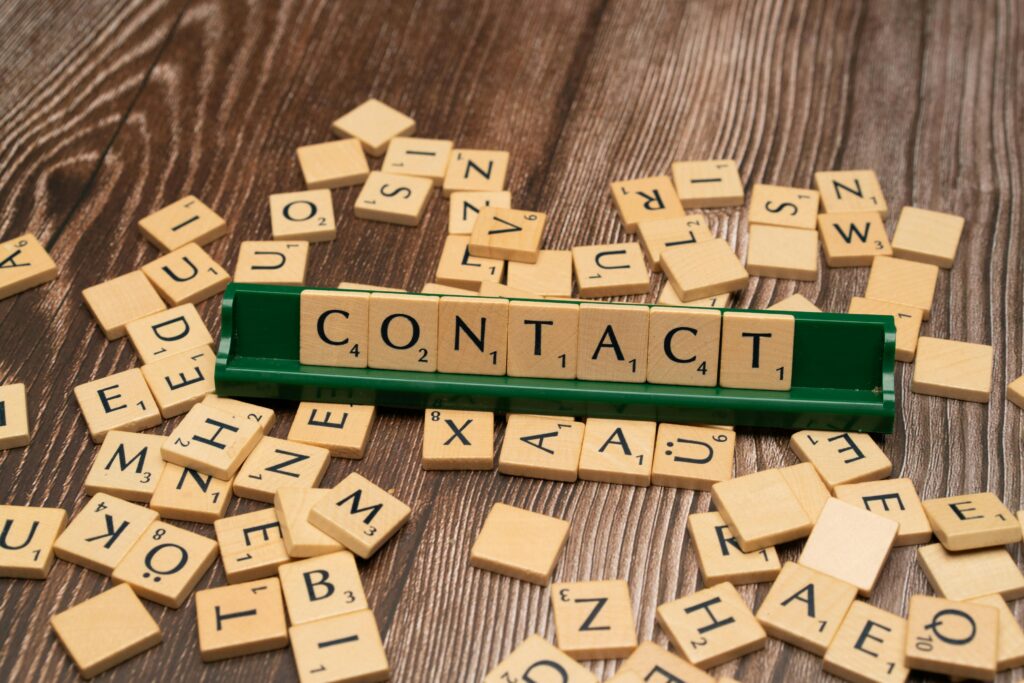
(842, 376)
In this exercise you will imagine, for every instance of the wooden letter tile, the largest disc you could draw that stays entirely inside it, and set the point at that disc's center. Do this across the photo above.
(305, 216)
(264, 417)
(757, 351)
(518, 543)
(617, 451)
(166, 564)
(168, 332)
(117, 302)
(645, 199)
(719, 555)
(902, 282)
(181, 381)
(211, 441)
(953, 369)
(436, 288)
(712, 626)
(127, 465)
(241, 620)
(658, 235)
(458, 440)
(613, 343)
(971, 521)
(301, 539)
(360, 515)
(14, 429)
(790, 253)
(896, 499)
(472, 335)
(403, 332)
(345, 648)
(967, 575)
(339, 163)
(791, 207)
(391, 198)
(24, 264)
(593, 619)
(374, 124)
(927, 236)
(853, 239)
(761, 509)
(464, 207)
(251, 545)
(807, 486)
(683, 345)
(708, 184)
(103, 532)
(850, 192)
(27, 535)
(1010, 648)
(841, 457)
(190, 496)
(650, 663)
(690, 457)
(187, 275)
(322, 587)
(333, 328)
(668, 297)
(952, 638)
(543, 339)
(1015, 392)
(550, 276)
(476, 170)
(457, 268)
(420, 157)
(868, 648)
(795, 302)
(610, 270)
(507, 234)
(541, 446)
(340, 428)
(274, 463)
(704, 269)
(908, 323)
(272, 263)
(186, 220)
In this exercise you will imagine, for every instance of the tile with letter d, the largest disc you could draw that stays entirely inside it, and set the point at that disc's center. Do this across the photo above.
(187, 220)
(757, 351)
(343, 429)
(719, 555)
(593, 619)
(360, 515)
(168, 332)
(27, 535)
(645, 199)
(241, 620)
(166, 564)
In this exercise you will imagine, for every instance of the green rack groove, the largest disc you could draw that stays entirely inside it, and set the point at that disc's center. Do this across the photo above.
(842, 375)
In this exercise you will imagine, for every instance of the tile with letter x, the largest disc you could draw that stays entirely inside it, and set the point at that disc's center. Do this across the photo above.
(507, 234)
(241, 620)
(790, 207)
(645, 199)
(853, 239)
(166, 564)
(321, 587)
(190, 496)
(340, 649)
(761, 509)
(543, 339)
(391, 198)
(251, 545)
(704, 269)
(24, 264)
(181, 381)
(186, 275)
(14, 429)
(841, 457)
(719, 555)
(519, 543)
(610, 270)
(907, 319)
(689, 457)
(458, 439)
(541, 446)
(593, 619)
(211, 441)
(712, 626)
(952, 638)
(360, 515)
(119, 301)
(895, 499)
(274, 463)
(167, 333)
(103, 532)
(342, 429)
(953, 369)
(618, 451)
(127, 465)
(374, 124)
(971, 521)
(27, 535)
(186, 221)
(305, 215)
(850, 191)
(536, 657)
(301, 539)
(476, 170)
(708, 184)
(272, 263)
(971, 574)
(868, 648)
(339, 163)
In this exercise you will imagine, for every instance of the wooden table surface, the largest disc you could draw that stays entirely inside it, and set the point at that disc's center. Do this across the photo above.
(110, 110)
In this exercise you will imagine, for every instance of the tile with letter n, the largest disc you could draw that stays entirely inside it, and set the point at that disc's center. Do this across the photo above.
(841, 457)
(541, 446)
(519, 543)
(907, 318)
(712, 626)
(789, 253)
(458, 268)
(952, 638)
(190, 496)
(617, 451)
(14, 429)
(251, 545)
(305, 215)
(704, 269)
(652, 663)
(340, 649)
(24, 264)
(850, 191)
(339, 163)
(1010, 650)
(186, 221)
(333, 328)
(301, 539)
(391, 198)
(374, 124)
(658, 235)
(610, 270)
(853, 239)
(103, 532)
(476, 170)
(168, 332)
(458, 439)
(211, 441)
(264, 417)
(683, 346)
(403, 332)
(274, 463)
(321, 587)
(127, 465)
(903, 282)
(790, 207)
(241, 620)
(549, 276)
(761, 509)
(971, 574)
(181, 381)
(534, 658)
(708, 184)
(543, 339)
(186, 275)
(509, 234)
(972, 520)
(166, 564)
(360, 515)
(420, 157)
(119, 301)
(472, 335)
(27, 535)
(645, 199)
(341, 428)
(757, 351)
(719, 555)
(690, 457)
(613, 342)
(593, 619)
(464, 207)
(927, 236)
(953, 369)
(868, 648)
(895, 499)
(272, 263)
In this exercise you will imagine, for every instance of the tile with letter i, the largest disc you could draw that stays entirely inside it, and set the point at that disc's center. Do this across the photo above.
(790, 253)
(166, 564)
(1010, 648)
(645, 199)
(264, 417)
(464, 207)
(618, 451)
(841, 457)
(458, 439)
(972, 574)
(181, 381)
(953, 369)
(391, 198)
(127, 465)
(868, 648)
(952, 638)
(14, 429)
(593, 619)
(708, 184)
(790, 207)
(536, 657)
(541, 446)
(683, 346)
(850, 191)
(119, 301)
(757, 351)
(550, 276)
(241, 620)
(704, 269)
(374, 124)
(908, 323)
(610, 270)
(690, 457)
(613, 342)
(650, 662)
(305, 216)
(658, 235)
(251, 545)
(333, 328)
(903, 282)
(458, 268)
(342, 649)
(895, 499)
(519, 543)
(761, 509)
(24, 264)
(190, 496)
(103, 532)
(543, 339)
(853, 239)
(712, 626)
(971, 521)
(472, 335)
(719, 555)
(795, 302)
(403, 332)
(187, 220)
(186, 275)
(420, 157)
(274, 463)
(322, 587)
(168, 332)
(211, 441)
(327, 165)
(476, 170)
(272, 263)
(342, 429)
(360, 515)
(301, 539)
(509, 234)
(27, 535)
(927, 236)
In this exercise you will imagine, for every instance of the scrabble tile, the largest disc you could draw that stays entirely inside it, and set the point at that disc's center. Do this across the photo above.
(795, 302)
(719, 555)
(841, 457)
(458, 268)
(119, 301)
(272, 263)
(189, 496)
(536, 657)
(420, 157)
(626, 677)
(264, 417)
(708, 184)
(850, 192)
(342, 648)
(166, 564)
(793, 207)
(543, 339)
(127, 466)
(14, 429)
(305, 216)
(868, 648)
(342, 429)
(186, 275)
(907, 319)
(927, 236)
(805, 608)
(186, 220)
(704, 269)
(251, 545)
(464, 207)
(972, 520)
(241, 620)
(613, 343)
(895, 499)
(683, 346)
(1010, 644)
(509, 234)
(645, 199)
(476, 170)
(391, 198)
(658, 235)
(27, 535)
(967, 575)
(790, 253)
(617, 451)
(519, 543)
(712, 626)
(211, 441)
(302, 539)
(650, 662)
(168, 332)
(498, 290)
(853, 239)
(274, 463)
(690, 457)
(472, 335)
(902, 282)
(374, 124)
(757, 351)
(360, 515)
(403, 332)
(103, 532)
(610, 270)
(458, 439)
(435, 288)
(761, 510)
(322, 587)
(181, 381)
(24, 264)
(807, 486)
(550, 275)
(668, 297)
(105, 630)
(1015, 392)
(368, 288)
(542, 447)
(593, 619)
(952, 638)
(333, 328)
(953, 369)
(339, 163)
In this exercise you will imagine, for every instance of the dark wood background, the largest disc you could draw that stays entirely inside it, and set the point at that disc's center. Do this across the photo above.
(110, 110)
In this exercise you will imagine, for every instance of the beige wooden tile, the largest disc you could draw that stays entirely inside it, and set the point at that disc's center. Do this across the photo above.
(841, 457)
(168, 332)
(593, 619)
(166, 564)
(543, 339)
(542, 447)
(189, 496)
(367, 288)
(519, 543)
(626, 677)
(322, 587)
(341, 428)
(186, 220)
(927, 236)
(340, 649)
(953, 369)
(472, 335)
(789, 253)
(850, 192)
(795, 302)
(761, 509)
(339, 163)
(334, 328)
(613, 342)
(274, 463)
(907, 319)
(181, 381)
(458, 439)
(895, 499)
(272, 263)
(403, 332)
(102, 532)
(972, 520)
(550, 275)
(509, 234)
(241, 620)
(464, 207)
(1015, 392)
(701, 270)
(498, 290)
(458, 268)
(712, 626)
(967, 575)
(868, 648)
(420, 157)
(719, 555)
(617, 451)
(435, 288)
(307, 215)
(650, 662)
(805, 608)
(645, 199)
(251, 545)
(105, 630)
(807, 486)
(902, 282)
(610, 270)
(14, 429)
(27, 535)
(1010, 644)
(658, 235)
(792, 207)
(683, 346)
(853, 239)
(391, 198)
(360, 515)
(24, 264)
(476, 170)
(119, 301)
(374, 124)
(264, 417)
(186, 275)
(692, 457)
(302, 539)
(952, 638)
(127, 465)
(757, 351)
(211, 441)
(668, 297)
(708, 184)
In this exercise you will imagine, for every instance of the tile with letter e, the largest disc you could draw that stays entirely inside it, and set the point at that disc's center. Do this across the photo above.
(757, 351)
(211, 441)
(895, 499)
(701, 270)
(476, 170)
(181, 381)
(617, 451)
(241, 620)
(103, 532)
(458, 439)
(971, 574)
(341, 649)
(166, 564)
(272, 263)
(360, 515)
(850, 192)
(24, 264)
(274, 463)
(168, 332)
(541, 446)
(187, 220)
(374, 124)
(509, 234)
(789, 253)
(519, 543)
(341, 428)
(593, 619)
(712, 626)
(305, 216)
(853, 239)
(692, 457)
(264, 417)
(550, 275)
(868, 648)
(321, 587)
(301, 539)
(952, 638)
(613, 342)
(27, 535)
(708, 184)
(535, 657)
(403, 332)
(719, 555)
(658, 235)
(907, 319)
(127, 465)
(119, 301)
(650, 662)
(1010, 648)
(190, 496)
(391, 198)
(645, 199)
(610, 270)
(458, 268)
(339, 163)
(543, 339)
(791, 207)
(972, 520)
(761, 509)
(464, 207)
(186, 275)
(14, 429)
(420, 157)
(333, 328)
(683, 346)
(953, 369)
(795, 302)
(903, 282)
(841, 457)
(251, 545)
(927, 236)
(472, 335)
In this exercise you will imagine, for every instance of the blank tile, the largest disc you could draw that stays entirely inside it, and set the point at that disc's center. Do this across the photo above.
(24, 264)
(850, 192)
(610, 270)
(952, 638)
(127, 465)
(972, 520)
(509, 234)
(1010, 647)
(322, 587)
(211, 441)
(853, 239)
(251, 545)
(186, 220)
(550, 275)
(241, 620)
(420, 157)
(719, 555)
(334, 328)
(342, 648)
(683, 346)
(793, 207)
(790, 253)
(617, 451)
(272, 263)
(541, 446)
(967, 575)
(472, 335)
(593, 619)
(119, 301)
(339, 163)
(476, 170)
(712, 626)
(391, 198)
(903, 282)
(645, 199)
(704, 269)
(953, 369)
(658, 235)
(868, 648)
(543, 339)
(795, 302)
(403, 332)
(613, 343)
(805, 608)
(184, 494)
(186, 275)
(841, 457)
(302, 539)
(305, 216)
(374, 124)
(166, 564)
(121, 401)
(341, 428)
(927, 236)
(458, 439)
(14, 429)
(757, 351)
(518, 543)
(458, 268)
(27, 535)
(708, 184)
(691, 457)
(761, 509)
(895, 499)
(360, 515)
(181, 381)
(274, 463)
(168, 332)
(907, 319)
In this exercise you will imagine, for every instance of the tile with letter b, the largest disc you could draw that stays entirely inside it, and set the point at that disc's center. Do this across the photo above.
(610, 270)
(952, 638)
(757, 351)
(345, 648)
(321, 587)
(307, 215)
(274, 463)
(617, 451)
(168, 332)
(333, 328)
(264, 417)
(420, 157)
(476, 170)
(645, 199)
(971, 574)
(841, 457)
(103, 532)
(190, 496)
(719, 555)
(403, 332)
(119, 301)
(509, 234)
(472, 335)
(791, 207)
(543, 339)
(972, 520)
(327, 165)
(850, 192)
(613, 342)
(895, 499)
(549, 276)
(458, 439)
(593, 619)
(374, 124)
(536, 657)
(761, 509)
(360, 515)
(868, 648)
(241, 620)
(211, 441)
(24, 264)
(795, 302)
(790, 253)
(907, 319)
(186, 220)
(903, 282)
(301, 539)
(14, 429)
(708, 184)
(658, 235)
(853, 239)
(464, 207)
(683, 346)
(342, 429)
(186, 275)
(458, 268)
(27, 535)
(541, 446)
(272, 263)
(166, 564)
(121, 401)
(692, 457)
(181, 381)
(251, 545)
(649, 662)
(953, 369)
(712, 626)
(927, 236)
(391, 198)
(127, 465)
(519, 543)
(1010, 648)
(704, 269)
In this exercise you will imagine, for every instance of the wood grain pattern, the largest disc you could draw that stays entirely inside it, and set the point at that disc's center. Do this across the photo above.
(111, 110)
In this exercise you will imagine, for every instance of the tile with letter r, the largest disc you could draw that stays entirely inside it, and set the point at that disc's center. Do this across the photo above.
(720, 557)
(645, 199)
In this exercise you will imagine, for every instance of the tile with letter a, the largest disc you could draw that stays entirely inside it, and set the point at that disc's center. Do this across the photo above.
(761, 509)
(853, 239)
(305, 215)
(24, 264)
(850, 192)
(420, 157)
(103, 532)
(106, 630)
(322, 587)
(333, 328)
(360, 515)
(185, 221)
(181, 381)
(374, 124)
(190, 496)
(541, 446)
(342, 649)
(458, 439)
(119, 301)
(719, 555)
(651, 663)
(790, 253)
(391, 198)
(264, 417)
(972, 520)
(712, 626)
(301, 539)
(509, 234)
(795, 302)
(458, 268)
(841, 457)
(593, 619)
(543, 339)
(166, 564)
(464, 207)
(550, 276)
(1010, 650)
(535, 659)
(658, 235)
(476, 170)
(610, 270)
(186, 275)
(272, 263)
(472, 335)
(791, 207)
(868, 648)
(342, 429)
(211, 441)
(27, 535)
(241, 620)
(645, 199)
(908, 323)
(683, 346)
(168, 332)
(708, 184)
(274, 463)
(927, 236)
(251, 545)
(690, 457)
(757, 351)
(907, 283)
(403, 332)
(805, 608)
(952, 638)
(127, 465)
(618, 451)
(896, 499)
(14, 429)
(339, 163)
(953, 369)
(613, 342)
(519, 543)
(971, 574)
(704, 269)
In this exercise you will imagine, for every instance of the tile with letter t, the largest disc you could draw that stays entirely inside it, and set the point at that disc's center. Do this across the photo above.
(391, 198)
(690, 457)
(464, 207)
(166, 564)
(127, 465)
(972, 520)
(541, 446)
(971, 574)
(333, 328)
(103, 532)
(853, 239)
(543, 339)
(272, 263)
(341, 428)
(360, 515)
(535, 657)
(903, 282)
(374, 124)
(305, 216)
(708, 184)
(251, 545)
(953, 369)
(187, 220)
(907, 319)
(841, 457)
(27, 535)
(211, 441)
(24, 264)
(593, 619)
(761, 509)
(241, 620)
(322, 587)
(509, 234)
(757, 351)
(618, 451)
(519, 543)
(476, 170)
(850, 191)
(181, 381)
(14, 429)
(789, 253)
(403, 332)
(952, 638)
(790, 207)
(472, 335)
(895, 499)
(342, 648)
(683, 346)
(420, 157)
(168, 332)
(719, 555)
(650, 662)
(645, 199)
(119, 301)
(339, 163)
(264, 417)
(868, 648)
(610, 270)
(274, 463)
(704, 269)
(458, 439)
(549, 276)
(613, 342)
(659, 235)
(712, 626)
(186, 275)
(927, 236)
(458, 268)
(1010, 650)
(301, 539)
(190, 496)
